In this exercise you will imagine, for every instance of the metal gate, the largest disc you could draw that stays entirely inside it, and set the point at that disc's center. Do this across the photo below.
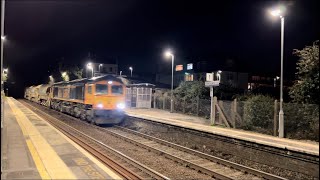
(144, 97)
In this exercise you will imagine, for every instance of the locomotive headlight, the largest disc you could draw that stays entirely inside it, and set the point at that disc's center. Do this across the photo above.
(100, 105)
(121, 106)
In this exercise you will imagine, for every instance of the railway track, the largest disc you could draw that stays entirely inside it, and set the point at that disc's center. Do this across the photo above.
(207, 164)
(210, 165)
(125, 166)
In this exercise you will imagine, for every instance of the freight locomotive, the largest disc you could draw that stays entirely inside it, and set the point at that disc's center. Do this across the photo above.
(98, 100)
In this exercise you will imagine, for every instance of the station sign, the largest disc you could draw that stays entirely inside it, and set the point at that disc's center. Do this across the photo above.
(211, 83)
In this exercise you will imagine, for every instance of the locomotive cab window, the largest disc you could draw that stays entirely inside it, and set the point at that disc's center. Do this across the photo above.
(116, 89)
(89, 89)
(101, 89)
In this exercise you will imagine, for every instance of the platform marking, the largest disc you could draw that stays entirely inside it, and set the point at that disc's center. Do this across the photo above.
(48, 163)
(106, 169)
(35, 156)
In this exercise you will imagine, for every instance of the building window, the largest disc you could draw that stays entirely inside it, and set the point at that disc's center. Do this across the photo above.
(188, 77)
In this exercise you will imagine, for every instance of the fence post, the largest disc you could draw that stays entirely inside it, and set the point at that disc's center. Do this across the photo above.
(275, 118)
(184, 105)
(213, 110)
(234, 112)
(154, 101)
(173, 100)
(164, 102)
(198, 103)
(221, 106)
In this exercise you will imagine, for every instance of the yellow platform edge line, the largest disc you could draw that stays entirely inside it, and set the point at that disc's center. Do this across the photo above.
(35, 156)
(53, 164)
(105, 168)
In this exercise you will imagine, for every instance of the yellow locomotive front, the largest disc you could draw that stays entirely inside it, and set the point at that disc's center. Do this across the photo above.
(99, 100)
(107, 98)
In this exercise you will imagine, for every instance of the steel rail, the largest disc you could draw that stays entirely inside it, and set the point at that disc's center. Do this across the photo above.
(206, 156)
(92, 146)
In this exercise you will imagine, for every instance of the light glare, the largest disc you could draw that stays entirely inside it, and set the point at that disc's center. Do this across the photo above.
(168, 53)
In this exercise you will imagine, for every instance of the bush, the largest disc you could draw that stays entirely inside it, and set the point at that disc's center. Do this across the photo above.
(301, 121)
(258, 113)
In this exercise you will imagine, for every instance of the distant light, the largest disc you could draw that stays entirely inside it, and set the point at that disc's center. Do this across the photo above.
(219, 71)
(278, 77)
(5, 70)
(50, 76)
(64, 74)
(89, 65)
(3, 38)
(109, 82)
(130, 68)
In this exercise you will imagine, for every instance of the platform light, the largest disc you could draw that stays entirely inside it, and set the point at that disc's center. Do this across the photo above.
(109, 82)
(275, 12)
(168, 54)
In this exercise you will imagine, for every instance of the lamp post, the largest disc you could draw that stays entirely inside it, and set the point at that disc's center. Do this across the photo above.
(3, 38)
(89, 66)
(169, 54)
(219, 75)
(275, 81)
(99, 67)
(278, 13)
(2, 101)
(131, 69)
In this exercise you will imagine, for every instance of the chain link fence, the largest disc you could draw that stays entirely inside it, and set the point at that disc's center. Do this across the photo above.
(301, 121)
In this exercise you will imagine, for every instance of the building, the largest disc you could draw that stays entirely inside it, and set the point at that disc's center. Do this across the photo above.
(98, 69)
(197, 72)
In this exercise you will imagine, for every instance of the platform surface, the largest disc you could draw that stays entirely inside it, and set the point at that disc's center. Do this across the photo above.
(203, 124)
(33, 149)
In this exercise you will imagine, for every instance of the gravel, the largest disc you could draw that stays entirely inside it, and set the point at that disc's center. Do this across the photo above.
(157, 162)
(144, 127)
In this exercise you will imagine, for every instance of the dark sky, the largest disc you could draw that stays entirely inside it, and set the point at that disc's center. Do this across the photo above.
(136, 32)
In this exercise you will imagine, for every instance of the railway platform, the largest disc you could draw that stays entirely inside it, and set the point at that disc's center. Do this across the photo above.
(202, 124)
(33, 149)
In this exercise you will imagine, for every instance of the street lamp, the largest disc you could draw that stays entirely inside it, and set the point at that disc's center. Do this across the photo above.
(278, 13)
(51, 79)
(275, 81)
(219, 75)
(99, 66)
(89, 66)
(168, 54)
(131, 69)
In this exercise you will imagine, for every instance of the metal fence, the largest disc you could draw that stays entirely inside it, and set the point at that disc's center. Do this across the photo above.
(301, 120)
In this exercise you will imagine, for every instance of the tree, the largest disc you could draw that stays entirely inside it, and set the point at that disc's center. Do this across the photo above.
(306, 87)
(190, 90)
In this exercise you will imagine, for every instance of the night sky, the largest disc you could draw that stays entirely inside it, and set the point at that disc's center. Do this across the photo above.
(136, 32)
